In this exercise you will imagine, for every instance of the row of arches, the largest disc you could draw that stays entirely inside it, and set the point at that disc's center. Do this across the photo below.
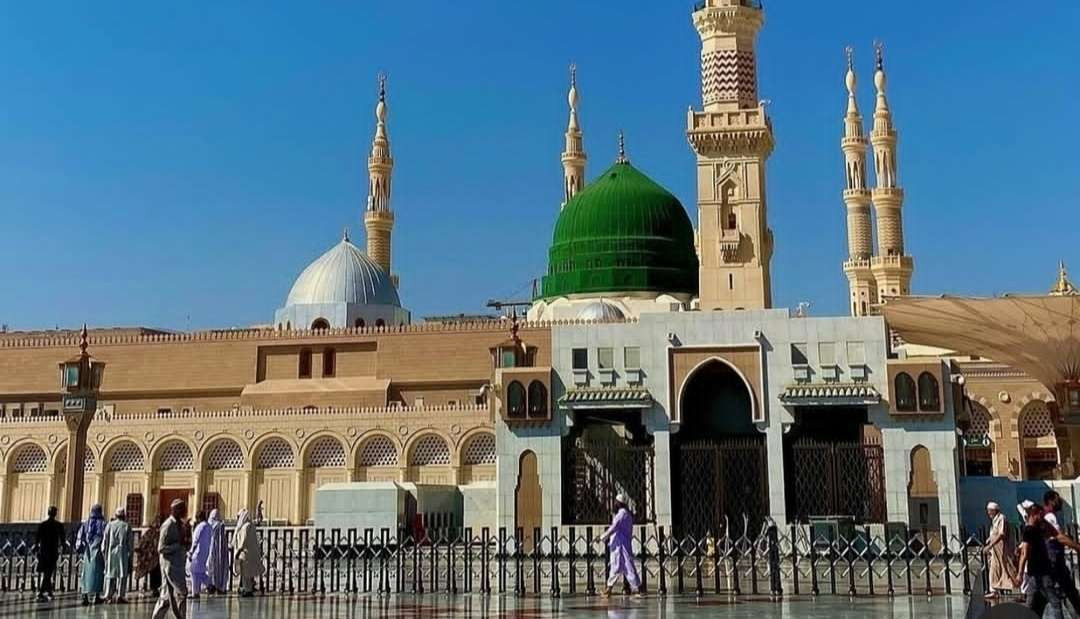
(1036, 442)
(525, 403)
(275, 471)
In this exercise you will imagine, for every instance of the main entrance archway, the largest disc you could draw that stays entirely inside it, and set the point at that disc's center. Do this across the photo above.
(719, 471)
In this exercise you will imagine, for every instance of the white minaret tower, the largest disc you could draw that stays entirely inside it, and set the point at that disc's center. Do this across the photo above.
(857, 200)
(378, 217)
(891, 268)
(573, 156)
(733, 138)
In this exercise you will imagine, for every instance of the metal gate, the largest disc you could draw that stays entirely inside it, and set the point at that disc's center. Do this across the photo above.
(836, 479)
(722, 487)
(595, 472)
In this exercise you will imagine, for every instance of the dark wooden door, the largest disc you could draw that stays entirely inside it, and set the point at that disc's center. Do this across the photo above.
(529, 497)
(167, 495)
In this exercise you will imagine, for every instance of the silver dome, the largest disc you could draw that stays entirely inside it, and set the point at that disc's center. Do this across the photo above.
(344, 274)
(601, 310)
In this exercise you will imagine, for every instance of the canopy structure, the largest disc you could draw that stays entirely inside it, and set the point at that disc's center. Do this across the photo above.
(1037, 334)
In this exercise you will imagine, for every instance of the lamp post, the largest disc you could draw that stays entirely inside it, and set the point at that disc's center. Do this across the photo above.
(80, 380)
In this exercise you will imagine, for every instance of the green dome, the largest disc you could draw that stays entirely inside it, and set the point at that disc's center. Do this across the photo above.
(622, 233)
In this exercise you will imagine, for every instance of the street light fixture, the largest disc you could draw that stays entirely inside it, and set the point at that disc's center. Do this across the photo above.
(80, 381)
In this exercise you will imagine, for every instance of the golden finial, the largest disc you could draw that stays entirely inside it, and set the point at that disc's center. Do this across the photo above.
(382, 86)
(345, 234)
(622, 149)
(879, 53)
(1063, 287)
(850, 51)
(573, 74)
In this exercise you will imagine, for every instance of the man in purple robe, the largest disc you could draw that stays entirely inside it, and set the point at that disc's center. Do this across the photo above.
(620, 536)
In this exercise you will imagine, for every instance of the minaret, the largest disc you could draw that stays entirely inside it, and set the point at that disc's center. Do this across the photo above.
(891, 268)
(733, 138)
(379, 218)
(573, 157)
(857, 199)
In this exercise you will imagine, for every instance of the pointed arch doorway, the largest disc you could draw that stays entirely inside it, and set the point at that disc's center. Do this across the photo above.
(528, 498)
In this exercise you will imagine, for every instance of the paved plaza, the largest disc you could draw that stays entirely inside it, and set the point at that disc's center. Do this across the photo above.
(509, 607)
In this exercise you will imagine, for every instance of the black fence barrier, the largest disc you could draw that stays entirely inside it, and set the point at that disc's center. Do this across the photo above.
(573, 561)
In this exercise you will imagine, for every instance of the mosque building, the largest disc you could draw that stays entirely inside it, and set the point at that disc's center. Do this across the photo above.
(651, 363)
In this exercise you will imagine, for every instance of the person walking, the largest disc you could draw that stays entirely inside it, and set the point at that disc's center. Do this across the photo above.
(1041, 594)
(248, 562)
(50, 539)
(621, 537)
(999, 552)
(89, 544)
(147, 560)
(117, 558)
(199, 554)
(171, 547)
(1052, 504)
(217, 564)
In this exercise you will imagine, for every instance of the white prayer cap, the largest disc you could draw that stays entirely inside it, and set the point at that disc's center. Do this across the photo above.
(993, 506)
(1024, 507)
(621, 498)
(120, 512)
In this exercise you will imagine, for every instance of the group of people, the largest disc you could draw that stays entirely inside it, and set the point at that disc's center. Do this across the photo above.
(1038, 567)
(169, 552)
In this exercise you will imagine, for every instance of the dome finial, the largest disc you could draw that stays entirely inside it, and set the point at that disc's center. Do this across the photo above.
(345, 234)
(622, 148)
(382, 86)
(879, 54)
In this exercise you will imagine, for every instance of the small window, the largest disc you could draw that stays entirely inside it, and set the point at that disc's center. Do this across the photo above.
(320, 324)
(856, 353)
(515, 400)
(580, 358)
(359, 323)
(929, 398)
(538, 400)
(453, 403)
(732, 222)
(164, 411)
(304, 371)
(329, 363)
(507, 357)
(827, 353)
(904, 386)
(133, 509)
(605, 358)
(380, 322)
(211, 501)
(632, 357)
(798, 354)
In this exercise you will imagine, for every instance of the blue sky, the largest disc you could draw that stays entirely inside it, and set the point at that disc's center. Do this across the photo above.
(177, 166)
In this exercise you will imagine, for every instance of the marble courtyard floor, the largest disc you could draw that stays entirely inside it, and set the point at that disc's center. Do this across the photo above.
(510, 607)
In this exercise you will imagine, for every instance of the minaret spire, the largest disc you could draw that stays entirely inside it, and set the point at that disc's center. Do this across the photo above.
(379, 217)
(863, 290)
(892, 268)
(573, 156)
(621, 158)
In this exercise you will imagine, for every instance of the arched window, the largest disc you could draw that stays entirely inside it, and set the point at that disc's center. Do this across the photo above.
(275, 454)
(325, 452)
(225, 454)
(538, 400)
(379, 322)
(30, 459)
(378, 451)
(126, 457)
(430, 450)
(329, 363)
(904, 392)
(304, 370)
(175, 456)
(929, 398)
(359, 323)
(515, 400)
(479, 450)
(320, 324)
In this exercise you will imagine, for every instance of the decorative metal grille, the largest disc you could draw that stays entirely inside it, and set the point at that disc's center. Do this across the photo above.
(595, 472)
(431, 449)
(30, 459)
(378, 451)
(836, 479)
(225, 454)
(1036, 420)
(980, 420)
(480, 449)
(133, 509)
(722, 486)
(275, 454)
(176, 456)
(89, 461)
(126, 457)
(326, 451)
